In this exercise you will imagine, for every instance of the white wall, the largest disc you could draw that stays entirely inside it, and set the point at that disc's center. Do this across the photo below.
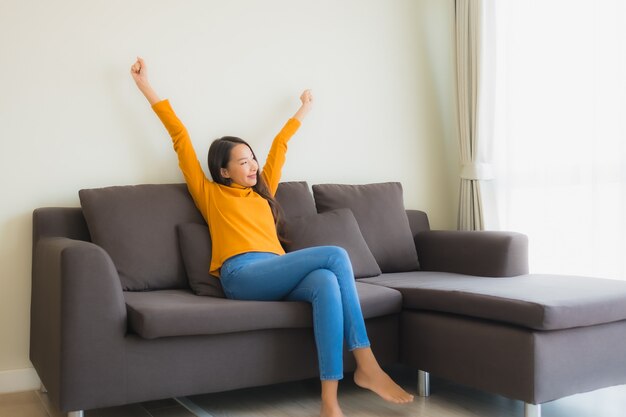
(382, 72)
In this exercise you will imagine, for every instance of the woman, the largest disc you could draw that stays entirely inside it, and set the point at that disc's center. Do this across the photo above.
(242, 215)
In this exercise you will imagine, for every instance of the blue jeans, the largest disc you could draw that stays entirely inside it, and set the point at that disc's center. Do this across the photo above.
(320, 275)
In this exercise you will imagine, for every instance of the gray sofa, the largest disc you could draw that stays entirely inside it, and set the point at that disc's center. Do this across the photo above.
(123, 310)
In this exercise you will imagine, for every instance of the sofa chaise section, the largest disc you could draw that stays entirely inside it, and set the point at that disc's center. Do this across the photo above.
(473, 315)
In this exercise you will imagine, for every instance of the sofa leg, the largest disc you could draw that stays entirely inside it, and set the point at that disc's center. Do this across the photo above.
(532, 410)
(43, 389)
(80, 413)
(423, 383)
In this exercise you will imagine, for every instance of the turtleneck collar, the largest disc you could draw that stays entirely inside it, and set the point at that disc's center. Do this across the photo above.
(238, 186)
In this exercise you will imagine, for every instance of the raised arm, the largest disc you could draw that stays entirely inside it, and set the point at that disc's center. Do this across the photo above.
(272, 169)
(187, 159)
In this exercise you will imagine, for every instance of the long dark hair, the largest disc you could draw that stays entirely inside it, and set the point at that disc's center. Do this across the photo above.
(218, 158)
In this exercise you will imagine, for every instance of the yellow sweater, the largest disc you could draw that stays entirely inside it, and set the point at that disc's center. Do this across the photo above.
(239, 219)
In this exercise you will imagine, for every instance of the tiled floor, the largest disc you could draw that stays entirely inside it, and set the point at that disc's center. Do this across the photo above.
(301, 399)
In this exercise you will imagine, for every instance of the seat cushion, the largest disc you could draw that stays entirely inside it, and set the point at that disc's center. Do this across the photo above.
(542, 302)
(379, 211)
(337, 228)
(153, 314)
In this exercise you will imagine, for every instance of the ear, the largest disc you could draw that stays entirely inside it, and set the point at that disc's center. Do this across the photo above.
(224, 173)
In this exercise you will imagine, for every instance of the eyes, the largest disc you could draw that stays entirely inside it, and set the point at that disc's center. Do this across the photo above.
(242, 163)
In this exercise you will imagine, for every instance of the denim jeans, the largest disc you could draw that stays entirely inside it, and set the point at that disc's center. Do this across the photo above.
(320, 275)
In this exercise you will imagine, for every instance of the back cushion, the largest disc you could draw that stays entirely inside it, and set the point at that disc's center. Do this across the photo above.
(295, 199)
(136, 225)
(379, 211)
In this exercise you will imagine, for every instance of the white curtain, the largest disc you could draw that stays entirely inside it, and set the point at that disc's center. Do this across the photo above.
(474, 107)
(560, 132)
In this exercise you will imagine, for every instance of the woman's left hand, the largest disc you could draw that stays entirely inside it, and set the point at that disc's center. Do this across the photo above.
(306, 97)
(307, 103)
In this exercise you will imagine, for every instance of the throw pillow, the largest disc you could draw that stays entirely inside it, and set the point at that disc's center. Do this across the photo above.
(337, 228)
(195, 247)
(379, 211)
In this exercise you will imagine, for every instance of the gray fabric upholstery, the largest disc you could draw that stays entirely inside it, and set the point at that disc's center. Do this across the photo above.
(337, 228)
(78, 323)
(59, 222)
(579, 360)
(195, 248)
(85, 358)
(379, 211)
(295, 199)
(136, 225)
(165, 313)
(484, 253)
(179, 366)
(418, 221)
(542, 302)
(489, 356)
(532, 366)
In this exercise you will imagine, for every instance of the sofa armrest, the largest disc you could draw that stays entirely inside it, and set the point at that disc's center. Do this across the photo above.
(78, 324)
(481, 253)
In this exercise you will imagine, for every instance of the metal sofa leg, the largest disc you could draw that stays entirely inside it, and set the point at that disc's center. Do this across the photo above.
(532, 410)
(423, 383)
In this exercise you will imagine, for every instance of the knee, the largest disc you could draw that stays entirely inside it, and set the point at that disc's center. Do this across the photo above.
(323, 280)
(338, 252)
(339, 259)
(322, 277)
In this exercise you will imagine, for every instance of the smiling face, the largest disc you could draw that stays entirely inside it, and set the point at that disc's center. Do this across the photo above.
(242, 168)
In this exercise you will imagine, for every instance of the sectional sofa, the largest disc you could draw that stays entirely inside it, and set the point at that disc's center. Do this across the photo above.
(123, 309)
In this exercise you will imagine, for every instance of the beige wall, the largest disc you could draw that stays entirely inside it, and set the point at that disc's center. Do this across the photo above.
(382, 72)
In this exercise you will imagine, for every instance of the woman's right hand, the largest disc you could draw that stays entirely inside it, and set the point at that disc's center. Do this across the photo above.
(139, 71)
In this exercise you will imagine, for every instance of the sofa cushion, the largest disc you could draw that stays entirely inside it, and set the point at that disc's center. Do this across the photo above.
(335, 227)
(542, 302)
(153, 314)
(295, 199)
(136, 225)
(379, 211)
(195, 248)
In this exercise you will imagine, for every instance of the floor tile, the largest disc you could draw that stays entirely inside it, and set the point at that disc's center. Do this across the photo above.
(132, 410)
(301, 399)
(21, 404)
(178, 411)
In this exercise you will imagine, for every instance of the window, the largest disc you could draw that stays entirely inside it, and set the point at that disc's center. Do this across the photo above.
(559, 145)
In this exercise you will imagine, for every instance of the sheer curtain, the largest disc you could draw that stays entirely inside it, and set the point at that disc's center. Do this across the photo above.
(560, 132)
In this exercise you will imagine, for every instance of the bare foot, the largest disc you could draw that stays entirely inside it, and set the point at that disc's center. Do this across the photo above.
(331, 411)
(379, 382)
